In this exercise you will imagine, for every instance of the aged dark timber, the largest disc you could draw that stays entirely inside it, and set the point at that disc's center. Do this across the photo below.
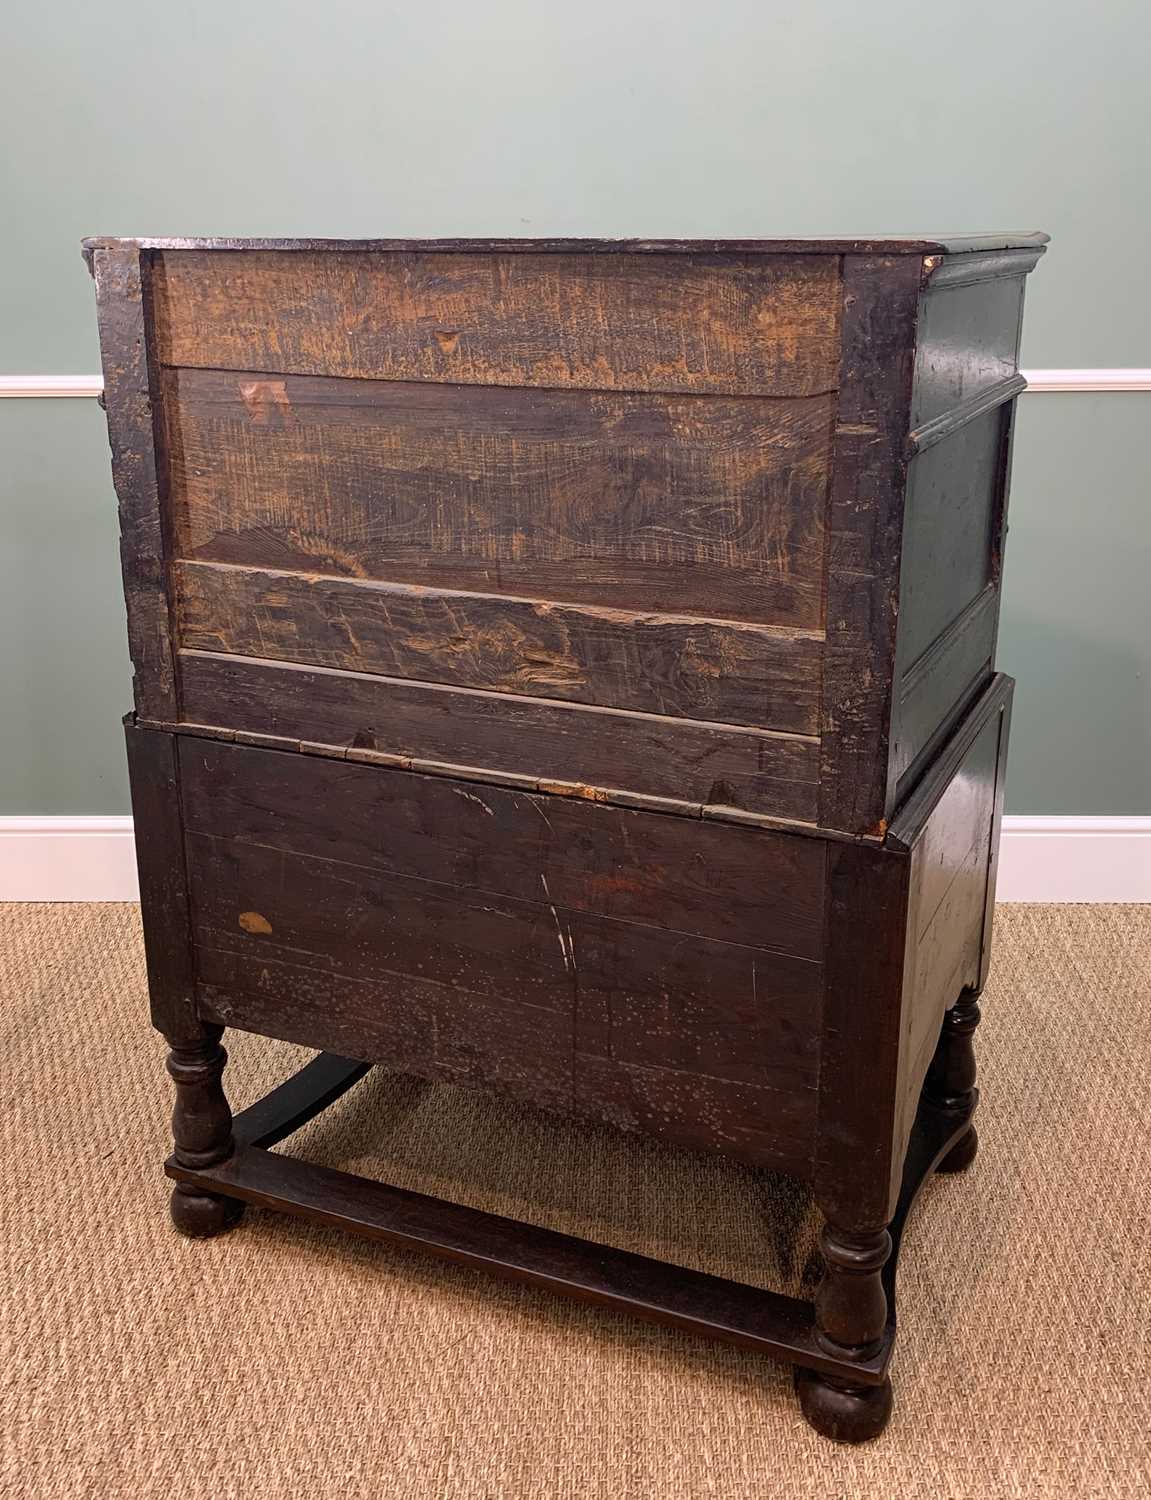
(566, 669)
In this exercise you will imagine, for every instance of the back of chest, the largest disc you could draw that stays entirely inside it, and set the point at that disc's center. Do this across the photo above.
(567, 669)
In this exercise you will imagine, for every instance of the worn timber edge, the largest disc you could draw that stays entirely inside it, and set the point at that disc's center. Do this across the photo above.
(165, 899)
(698, 1303)
(912, 245)
(492, 776)
(122, 297)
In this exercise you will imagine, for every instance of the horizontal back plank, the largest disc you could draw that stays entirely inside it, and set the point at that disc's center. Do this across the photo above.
(509, 994)
(719, 324)
(753, 887)
(712, 506)
(662, 664)
(600, 747)
(418, 1028)
(641, 995)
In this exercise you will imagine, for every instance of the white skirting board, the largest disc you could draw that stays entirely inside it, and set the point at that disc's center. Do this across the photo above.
(1075, 859)
(1041, 859)
(67, 859)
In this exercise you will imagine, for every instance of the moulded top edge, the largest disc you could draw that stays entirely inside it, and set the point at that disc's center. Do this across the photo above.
(878, 245)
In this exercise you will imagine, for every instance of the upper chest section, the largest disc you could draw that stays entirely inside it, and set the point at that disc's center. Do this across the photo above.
(627, 519)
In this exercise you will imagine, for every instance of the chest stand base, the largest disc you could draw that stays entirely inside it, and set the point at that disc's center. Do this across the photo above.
(768, 1322)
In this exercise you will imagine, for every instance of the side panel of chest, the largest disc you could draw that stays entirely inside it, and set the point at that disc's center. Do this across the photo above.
(963, 405)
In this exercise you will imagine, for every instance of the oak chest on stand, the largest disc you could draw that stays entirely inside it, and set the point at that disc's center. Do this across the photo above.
(567, 669)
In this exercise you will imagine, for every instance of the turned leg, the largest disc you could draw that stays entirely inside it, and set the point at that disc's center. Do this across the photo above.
(850, 1315)
(202, 1131)
(950, 1084)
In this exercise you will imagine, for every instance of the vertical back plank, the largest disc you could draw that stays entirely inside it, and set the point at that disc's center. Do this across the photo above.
(156, 811)
(857, 1169)
(865, 526)
(128, 401)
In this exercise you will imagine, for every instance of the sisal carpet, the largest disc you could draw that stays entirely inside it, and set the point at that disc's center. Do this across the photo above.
(287, 1361)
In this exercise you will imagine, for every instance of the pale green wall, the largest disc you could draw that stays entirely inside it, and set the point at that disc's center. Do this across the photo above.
(63, 657)
(355, 117)
(1076, 622)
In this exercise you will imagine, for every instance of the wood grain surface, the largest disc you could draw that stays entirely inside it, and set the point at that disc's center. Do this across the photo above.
(951, 529)
(968, 333)
(865, 523)
(721, 324)
(756, 888)
(704, 505)
(545, 738)
(677, 665)
(138, 472)
(157, 817)
(562, 670)
(446, 949)
(952, 880)
(944, 681)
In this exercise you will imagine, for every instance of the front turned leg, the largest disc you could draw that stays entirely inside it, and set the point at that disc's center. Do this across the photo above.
(201, 1130)
(950, 1083)
(851, 1316)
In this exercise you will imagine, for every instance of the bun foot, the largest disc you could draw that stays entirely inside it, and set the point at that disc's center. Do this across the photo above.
(202, 1215)
(962, 1154)
(846, 1414)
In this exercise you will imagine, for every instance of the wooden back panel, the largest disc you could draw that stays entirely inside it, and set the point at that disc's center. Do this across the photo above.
(552, 514)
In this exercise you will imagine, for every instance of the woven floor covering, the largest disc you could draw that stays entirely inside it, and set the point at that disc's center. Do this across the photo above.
(286, 1361)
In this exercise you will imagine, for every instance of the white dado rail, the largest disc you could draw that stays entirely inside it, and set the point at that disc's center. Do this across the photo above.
(24, 386)
(1088, 380)
(50, 385)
